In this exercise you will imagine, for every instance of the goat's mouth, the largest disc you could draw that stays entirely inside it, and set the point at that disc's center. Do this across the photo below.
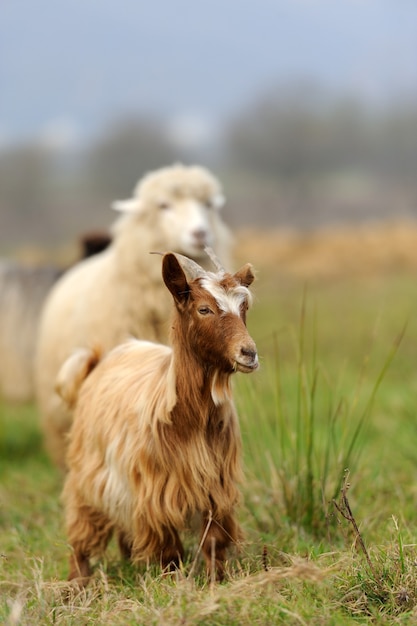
(246, 368)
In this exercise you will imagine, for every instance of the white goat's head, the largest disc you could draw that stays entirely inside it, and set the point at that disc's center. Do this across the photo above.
(182, 204)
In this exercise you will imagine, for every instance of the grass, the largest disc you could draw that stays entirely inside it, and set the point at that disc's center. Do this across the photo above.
(323, 546)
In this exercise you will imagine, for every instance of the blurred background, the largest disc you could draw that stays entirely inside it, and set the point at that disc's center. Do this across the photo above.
(305, 109)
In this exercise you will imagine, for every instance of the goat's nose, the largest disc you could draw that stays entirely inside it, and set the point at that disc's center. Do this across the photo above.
(248, 352)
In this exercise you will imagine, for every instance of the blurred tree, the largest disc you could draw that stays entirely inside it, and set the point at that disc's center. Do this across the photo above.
(395, 143)
(299, 132)
(307, 157)
(128, 150)
(299, 155)
(24, 178)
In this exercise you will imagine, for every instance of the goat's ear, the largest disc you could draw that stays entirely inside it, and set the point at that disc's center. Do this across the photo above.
(245, 275)
(174, 278)
(133, 205)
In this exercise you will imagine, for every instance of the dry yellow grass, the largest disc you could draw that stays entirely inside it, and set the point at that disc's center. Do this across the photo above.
(366, 249)
(357, 250)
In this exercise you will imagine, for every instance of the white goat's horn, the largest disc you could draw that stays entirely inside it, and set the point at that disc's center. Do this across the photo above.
(214, 259)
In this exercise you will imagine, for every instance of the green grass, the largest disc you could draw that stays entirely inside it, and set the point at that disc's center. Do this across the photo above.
(336, 391)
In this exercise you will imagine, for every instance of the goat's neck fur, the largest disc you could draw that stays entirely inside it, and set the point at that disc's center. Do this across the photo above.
(197, 448)
(199, 388)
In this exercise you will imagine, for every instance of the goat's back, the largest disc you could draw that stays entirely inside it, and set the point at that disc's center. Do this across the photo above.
(121, 391)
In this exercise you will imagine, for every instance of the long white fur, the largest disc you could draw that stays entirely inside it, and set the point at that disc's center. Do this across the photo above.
(119, 293)
(231, 301)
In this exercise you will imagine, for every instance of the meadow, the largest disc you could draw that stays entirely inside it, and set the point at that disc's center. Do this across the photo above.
(329, 437)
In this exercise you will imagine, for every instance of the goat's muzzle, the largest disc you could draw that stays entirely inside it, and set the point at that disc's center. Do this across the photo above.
(247, 360)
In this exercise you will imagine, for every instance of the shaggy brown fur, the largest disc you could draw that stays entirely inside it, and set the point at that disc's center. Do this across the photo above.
(155, 436)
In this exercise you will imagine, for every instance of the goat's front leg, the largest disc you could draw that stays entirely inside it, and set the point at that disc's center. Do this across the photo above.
(172, 551)
(125, 545)
(217, 535)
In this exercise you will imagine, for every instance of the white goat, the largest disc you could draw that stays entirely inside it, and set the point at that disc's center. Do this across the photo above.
(155, 437)
(119, 293)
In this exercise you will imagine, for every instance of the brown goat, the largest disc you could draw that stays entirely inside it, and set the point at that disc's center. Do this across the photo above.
(156, 436)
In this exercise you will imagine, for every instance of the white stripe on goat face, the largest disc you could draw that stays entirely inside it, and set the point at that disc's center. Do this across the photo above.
(229, 301)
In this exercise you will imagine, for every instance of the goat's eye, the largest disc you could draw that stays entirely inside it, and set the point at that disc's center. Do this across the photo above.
(243, 309)
(205, 310)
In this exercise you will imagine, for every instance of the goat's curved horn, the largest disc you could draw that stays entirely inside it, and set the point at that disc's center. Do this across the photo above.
(190, 267)
(214, 259)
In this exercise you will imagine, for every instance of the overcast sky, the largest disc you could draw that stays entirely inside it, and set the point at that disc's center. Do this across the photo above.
(72, 66)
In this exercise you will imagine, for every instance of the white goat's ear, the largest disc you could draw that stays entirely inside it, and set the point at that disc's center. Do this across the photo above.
(132, 205)
(218, 201)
